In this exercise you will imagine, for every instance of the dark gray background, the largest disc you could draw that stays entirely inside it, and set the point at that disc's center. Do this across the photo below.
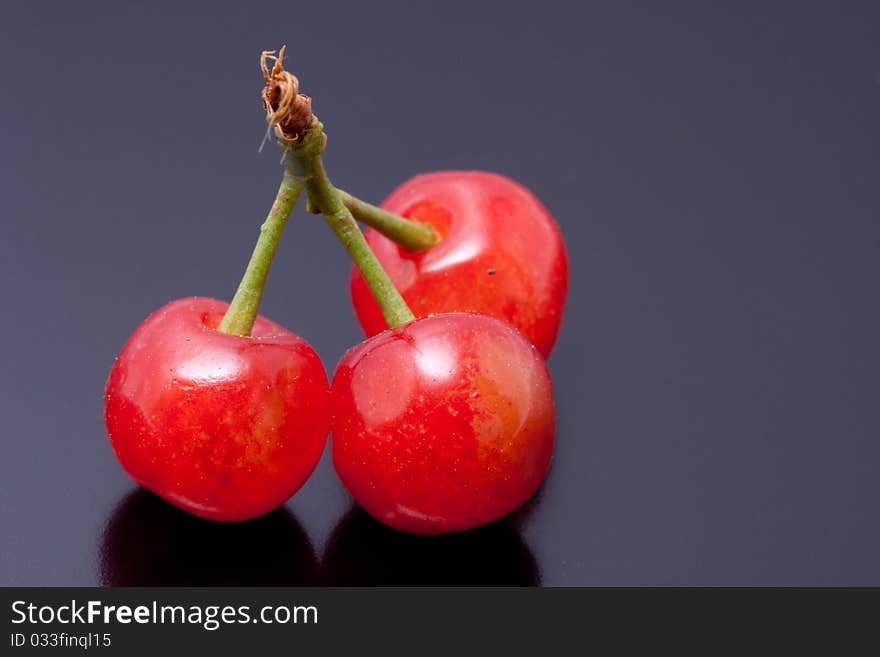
(713, 167)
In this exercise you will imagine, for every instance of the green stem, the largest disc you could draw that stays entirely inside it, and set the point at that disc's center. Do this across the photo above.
(323, 196)
(411, 235)
(242, 312)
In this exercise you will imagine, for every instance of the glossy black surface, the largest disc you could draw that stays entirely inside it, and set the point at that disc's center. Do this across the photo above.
(713, 166)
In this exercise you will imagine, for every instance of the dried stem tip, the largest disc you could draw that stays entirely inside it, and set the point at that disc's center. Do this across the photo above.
(287, 110)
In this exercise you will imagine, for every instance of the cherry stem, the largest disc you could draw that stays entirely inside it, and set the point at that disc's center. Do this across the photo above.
(324, 197)
(411, 235)
(242, 312)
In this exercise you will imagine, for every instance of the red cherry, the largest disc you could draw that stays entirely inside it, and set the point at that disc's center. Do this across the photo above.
(225, 427)
(442, 424)
(500, 254)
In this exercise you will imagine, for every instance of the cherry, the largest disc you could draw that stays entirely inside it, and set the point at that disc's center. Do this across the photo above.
(224, 426)
(442, 424)
(439, 424)
(500, 253)
(215, 408)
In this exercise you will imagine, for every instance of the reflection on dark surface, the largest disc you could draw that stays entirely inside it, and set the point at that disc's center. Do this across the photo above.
(364, 552)
(148, 542)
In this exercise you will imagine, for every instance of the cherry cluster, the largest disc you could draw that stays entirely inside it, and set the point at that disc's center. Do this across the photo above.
(442, 419)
